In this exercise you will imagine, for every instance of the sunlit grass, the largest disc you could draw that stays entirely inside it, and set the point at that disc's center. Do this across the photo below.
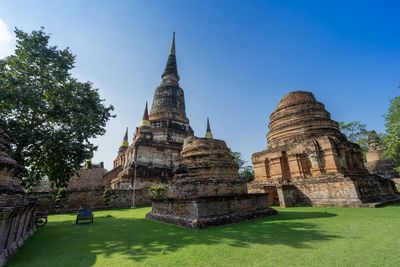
(298, 236)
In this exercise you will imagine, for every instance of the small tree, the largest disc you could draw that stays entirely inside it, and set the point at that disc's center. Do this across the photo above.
(49, 115)
(60, 196)
(247, 174)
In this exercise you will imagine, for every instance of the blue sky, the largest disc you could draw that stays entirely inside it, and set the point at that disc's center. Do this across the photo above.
(236, 59)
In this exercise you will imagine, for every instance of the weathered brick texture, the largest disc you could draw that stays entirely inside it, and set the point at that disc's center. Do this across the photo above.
(16, 209)
(310, 162)
(94, 199)
(206, 189)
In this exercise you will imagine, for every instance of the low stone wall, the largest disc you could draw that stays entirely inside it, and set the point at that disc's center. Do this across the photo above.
(273, 199)
(202, 212)
(334, 193)
(87, 179)
(338, 192)
(90, 199)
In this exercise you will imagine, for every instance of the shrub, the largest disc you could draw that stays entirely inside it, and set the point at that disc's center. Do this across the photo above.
(107, 196)
(60, 196)
(158, 191)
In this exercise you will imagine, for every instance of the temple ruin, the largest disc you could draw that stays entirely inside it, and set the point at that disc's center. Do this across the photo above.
(206, 189)
(16, 208)
(156, 144)
(308, 160)
(376, 164)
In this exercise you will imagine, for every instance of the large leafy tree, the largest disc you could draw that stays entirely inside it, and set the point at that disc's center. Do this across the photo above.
(49, 115)
(355, 132)
(391, 139)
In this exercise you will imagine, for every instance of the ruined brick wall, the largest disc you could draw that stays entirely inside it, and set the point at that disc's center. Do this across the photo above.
(90, 199)
(397, 183)
(374, 187)
(206, 167)
(339, 192)
(87, 179)
(16, 210)
(384, 168)
(109, 176)
(212, 210)
(154, 165)
(16, 225)
(332, 193)
(157, 156)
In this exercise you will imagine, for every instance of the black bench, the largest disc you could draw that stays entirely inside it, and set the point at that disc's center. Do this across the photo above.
(84, 215)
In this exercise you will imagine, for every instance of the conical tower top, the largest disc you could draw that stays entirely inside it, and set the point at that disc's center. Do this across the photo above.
(169, 98)
(172, 49)
(209, 134)
(125, 142)
(170, 74)
(145, 120)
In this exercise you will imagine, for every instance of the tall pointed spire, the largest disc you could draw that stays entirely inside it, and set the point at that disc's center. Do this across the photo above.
(125, 143)
(209, 134)
(172, 49)
(170, 74)
(146, 113)
(145, 120)
(169, 98)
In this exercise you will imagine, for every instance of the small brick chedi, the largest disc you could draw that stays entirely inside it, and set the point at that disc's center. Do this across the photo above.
(308, 160)
(16, 210)
(206, 188)
(156, 144)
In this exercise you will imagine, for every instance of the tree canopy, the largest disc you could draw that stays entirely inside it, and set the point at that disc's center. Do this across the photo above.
(355, 132)
(49, 115)
(391, 139)
(245, 171)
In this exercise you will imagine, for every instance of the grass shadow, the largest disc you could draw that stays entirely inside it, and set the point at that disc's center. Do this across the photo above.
(138, 238)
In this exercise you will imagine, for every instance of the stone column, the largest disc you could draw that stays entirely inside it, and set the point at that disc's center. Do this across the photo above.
(294, 166)
(28, 221)
(275, 168)
(285, 195)
(5, 223)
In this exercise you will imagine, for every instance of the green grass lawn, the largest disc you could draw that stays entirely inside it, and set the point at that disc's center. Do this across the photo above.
(297, 236)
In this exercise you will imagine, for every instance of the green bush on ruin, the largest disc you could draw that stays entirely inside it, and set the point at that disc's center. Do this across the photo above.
(158, 191)
(107, 196)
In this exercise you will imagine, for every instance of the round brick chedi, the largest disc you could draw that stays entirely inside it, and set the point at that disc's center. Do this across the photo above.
(206, 167)
(300, 116)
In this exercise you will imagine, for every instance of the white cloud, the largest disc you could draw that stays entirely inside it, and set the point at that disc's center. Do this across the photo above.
(6, 40)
